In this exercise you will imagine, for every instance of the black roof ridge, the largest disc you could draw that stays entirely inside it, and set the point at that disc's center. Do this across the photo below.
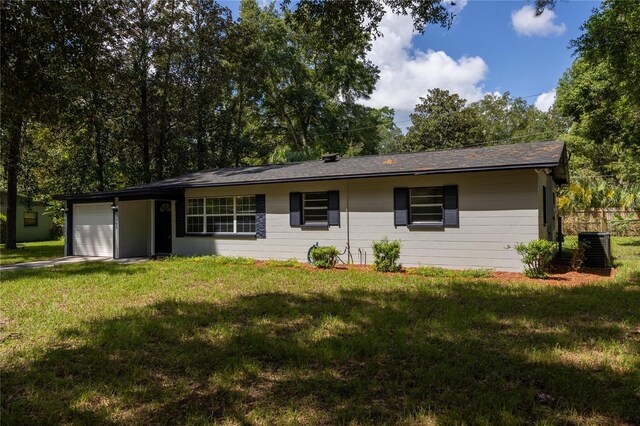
(343, 158)
(526, 155)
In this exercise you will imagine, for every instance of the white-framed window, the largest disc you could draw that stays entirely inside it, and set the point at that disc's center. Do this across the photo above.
(315, 208)
(224, 215)
(426, 205)
(30, 219)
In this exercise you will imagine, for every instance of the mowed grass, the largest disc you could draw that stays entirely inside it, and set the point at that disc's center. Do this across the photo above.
(201, 340)
(29, 252)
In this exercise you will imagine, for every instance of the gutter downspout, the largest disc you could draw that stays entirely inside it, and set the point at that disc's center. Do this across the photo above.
(349, 256)
(152, 230)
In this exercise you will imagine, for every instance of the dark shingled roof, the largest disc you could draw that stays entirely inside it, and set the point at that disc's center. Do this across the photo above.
(500, 157)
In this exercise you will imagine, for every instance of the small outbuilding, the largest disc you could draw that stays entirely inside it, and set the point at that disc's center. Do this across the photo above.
(32, 222)
(455, 208)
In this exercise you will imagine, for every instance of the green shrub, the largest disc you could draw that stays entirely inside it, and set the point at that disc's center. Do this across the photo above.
(216, 260)
(432, 271)
(536, 257)
(230, 260)
(324, 256)
(289, 263)
(386, 254)
(3, 228)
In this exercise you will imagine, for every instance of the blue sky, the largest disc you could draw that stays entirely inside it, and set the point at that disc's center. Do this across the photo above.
(521, 64)
(492, 47)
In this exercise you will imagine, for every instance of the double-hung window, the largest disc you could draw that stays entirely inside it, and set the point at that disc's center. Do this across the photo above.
(315, 208)
(426, 205)
(30, 219)
(224, 215)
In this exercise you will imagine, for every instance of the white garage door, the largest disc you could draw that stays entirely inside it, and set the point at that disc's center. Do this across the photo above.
(93, 229)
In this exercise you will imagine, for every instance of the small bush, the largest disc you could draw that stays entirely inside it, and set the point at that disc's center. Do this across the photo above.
(230, 260)
(577, 259)
(324, 256)
(289, 263)
(432, 271)
(386, 254)
(536, 257)
(217, 260)
(3, 228)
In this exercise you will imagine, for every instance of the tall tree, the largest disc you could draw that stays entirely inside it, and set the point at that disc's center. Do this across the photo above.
(612, 35)
(512, 120)
(140, 35)
(207, 81)
(39, 41)
(442, 120)
(600, 93)
(304, 80)
(341, 21)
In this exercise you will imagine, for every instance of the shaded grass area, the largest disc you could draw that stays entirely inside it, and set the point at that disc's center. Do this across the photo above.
(28, 252)
(205, 341)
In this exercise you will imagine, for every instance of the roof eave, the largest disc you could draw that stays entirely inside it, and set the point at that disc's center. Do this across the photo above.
(123, 194)
(175, 191)
(372, 175)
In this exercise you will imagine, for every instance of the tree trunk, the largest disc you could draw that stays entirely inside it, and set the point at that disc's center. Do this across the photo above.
(239, 142)
(200, 140)
(144, 111)
(99, 155)
(12, 162)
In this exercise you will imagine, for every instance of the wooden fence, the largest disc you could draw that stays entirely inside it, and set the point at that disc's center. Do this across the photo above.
(617, 221)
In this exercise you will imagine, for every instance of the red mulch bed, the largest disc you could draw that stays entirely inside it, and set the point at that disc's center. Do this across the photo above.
(560, 275)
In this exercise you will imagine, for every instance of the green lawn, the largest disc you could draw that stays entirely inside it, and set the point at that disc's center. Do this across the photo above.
(28, 252)
(203, 341)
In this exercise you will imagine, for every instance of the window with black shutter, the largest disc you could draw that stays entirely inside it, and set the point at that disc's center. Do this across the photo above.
(432, 206)
(314, 208)
(426, 205)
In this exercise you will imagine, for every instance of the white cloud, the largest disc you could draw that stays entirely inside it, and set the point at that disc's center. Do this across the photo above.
(545, 100)
(407, 73)
(526, 23)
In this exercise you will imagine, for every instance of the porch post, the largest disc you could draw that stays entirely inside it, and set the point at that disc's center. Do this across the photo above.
(68, 228)
(152, 233)
(116, 230)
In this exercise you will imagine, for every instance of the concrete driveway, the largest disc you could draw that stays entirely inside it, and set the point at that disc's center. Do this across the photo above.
(68, 260)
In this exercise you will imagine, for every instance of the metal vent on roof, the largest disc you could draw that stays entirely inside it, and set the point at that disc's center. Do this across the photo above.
(330, 158)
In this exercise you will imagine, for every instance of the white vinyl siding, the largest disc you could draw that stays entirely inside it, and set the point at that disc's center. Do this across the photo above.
(497, 210)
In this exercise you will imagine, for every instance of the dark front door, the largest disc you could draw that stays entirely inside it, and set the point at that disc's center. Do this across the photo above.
(163, 226)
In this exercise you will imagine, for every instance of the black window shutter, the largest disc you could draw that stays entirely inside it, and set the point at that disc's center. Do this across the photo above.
(295, 208)
(261, 216)
(451, 216)
(180, 217)
(334, 208)
(400, 206)
(544, 205)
